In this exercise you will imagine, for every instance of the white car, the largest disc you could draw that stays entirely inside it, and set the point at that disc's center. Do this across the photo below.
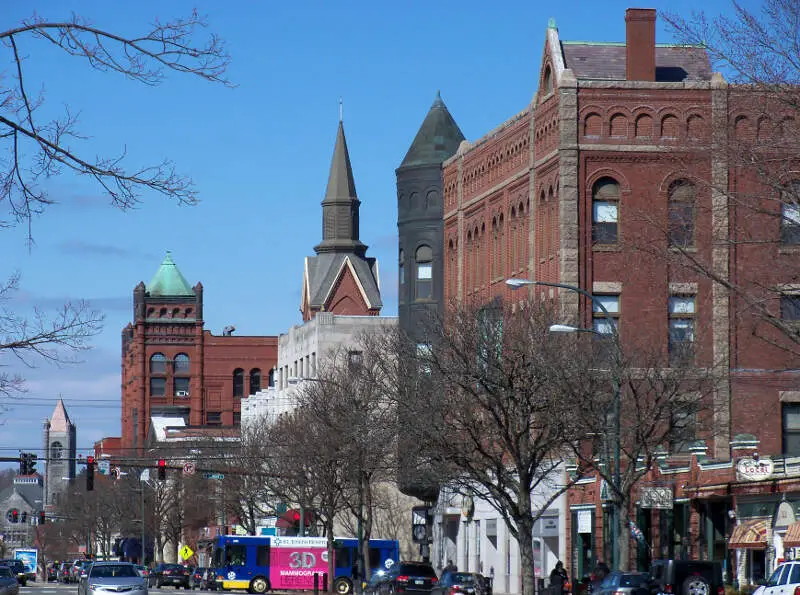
(112, 577)
(783, 581)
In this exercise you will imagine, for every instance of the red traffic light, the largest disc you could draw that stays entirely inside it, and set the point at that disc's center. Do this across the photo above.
(90, 460)
(14, 515)
(162, 470)
(162, 463)
(296, 516)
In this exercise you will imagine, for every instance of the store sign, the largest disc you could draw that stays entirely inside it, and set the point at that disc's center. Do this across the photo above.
(584, 521)
(659, 498)
(547, 526)
(749, 469)
(784, 517)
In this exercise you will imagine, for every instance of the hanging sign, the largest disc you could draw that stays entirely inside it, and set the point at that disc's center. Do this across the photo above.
(750, 469)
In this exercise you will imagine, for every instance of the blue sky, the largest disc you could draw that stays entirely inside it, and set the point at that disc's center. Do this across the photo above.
(259, 155)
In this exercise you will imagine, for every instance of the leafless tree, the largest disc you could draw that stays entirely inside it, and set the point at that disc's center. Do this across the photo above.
(38, 148)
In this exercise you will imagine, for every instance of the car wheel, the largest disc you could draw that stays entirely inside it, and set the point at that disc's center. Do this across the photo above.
(343, 586)
(696, 585)
(258, 585)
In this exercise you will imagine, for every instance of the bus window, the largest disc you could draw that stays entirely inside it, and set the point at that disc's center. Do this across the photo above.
(375, 558)
(219, 557)
(342, 557)
(262, 555)
(235, 555)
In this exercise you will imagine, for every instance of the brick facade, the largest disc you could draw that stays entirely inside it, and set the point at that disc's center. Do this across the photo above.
(523, 201)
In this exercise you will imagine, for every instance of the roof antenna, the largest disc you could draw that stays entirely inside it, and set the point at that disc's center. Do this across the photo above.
(341, 110)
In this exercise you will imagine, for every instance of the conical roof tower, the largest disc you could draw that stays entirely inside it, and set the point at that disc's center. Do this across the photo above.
(437, 139)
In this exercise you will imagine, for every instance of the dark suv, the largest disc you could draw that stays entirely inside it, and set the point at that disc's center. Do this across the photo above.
(687, 577)
(170, 574)
(17, 569)
(409, 577)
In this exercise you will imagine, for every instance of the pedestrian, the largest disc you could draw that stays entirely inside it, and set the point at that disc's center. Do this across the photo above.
(558, 579)
(450, 567)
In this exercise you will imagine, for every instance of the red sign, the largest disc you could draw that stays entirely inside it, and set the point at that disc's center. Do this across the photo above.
(295, 560)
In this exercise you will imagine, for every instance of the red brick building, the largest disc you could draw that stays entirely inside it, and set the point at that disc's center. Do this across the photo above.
(612, 166)
(173, 367)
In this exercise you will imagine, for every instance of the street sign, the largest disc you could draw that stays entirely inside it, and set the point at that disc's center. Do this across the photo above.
(186, 552)
(188, 468)
(214, 475)
(104, 467)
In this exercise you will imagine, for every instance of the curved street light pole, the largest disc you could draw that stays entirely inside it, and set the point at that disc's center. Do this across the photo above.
(615, 512)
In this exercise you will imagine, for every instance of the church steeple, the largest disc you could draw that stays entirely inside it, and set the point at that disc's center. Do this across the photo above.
(341, 204)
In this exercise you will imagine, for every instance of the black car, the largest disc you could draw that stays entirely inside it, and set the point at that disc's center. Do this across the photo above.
(203, 578)
(170, 574)
(409, 577)
(451, 582)
(625, 583)
(687, 577)
(17, 569)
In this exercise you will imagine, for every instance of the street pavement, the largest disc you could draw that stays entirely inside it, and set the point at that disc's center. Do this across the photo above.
(40, 588)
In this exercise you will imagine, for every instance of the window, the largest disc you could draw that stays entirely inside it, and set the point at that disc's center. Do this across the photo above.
(214, 418)
(790, 307)
(237, 418)
(790, 215)
(547, 81)
(238, 382)
(401, 269)
(271, 378)
(681, 214)
(255, 381)
(181, 364)
(424, 259)
(424, 355)
(605, 211)
(684, 423)
(158, 363)
(681, 329)
(56, 449)
(262, 555)
(600, 322)
(791, 429)
(181, 385)
(158, 387)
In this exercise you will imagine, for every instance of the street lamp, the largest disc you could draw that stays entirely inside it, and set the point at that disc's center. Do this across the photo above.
(563, 328)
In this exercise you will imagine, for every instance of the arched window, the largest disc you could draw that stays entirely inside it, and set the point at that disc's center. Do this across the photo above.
(401, 269)
(181, 363)
(547, 81)
(238, 382)
(255, 381)
(158, 363)
(681, 197)
(271, 379)
(424, 280)
(56, 449)
(605, 211)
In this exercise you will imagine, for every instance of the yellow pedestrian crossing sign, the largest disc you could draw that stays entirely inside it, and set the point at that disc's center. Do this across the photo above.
(186, 552)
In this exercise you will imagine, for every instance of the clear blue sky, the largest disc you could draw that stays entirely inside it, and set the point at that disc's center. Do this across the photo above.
(259, 154)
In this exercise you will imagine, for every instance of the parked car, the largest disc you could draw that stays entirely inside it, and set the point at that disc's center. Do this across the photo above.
(65, 572)
(785, 579)
(409, 577)
(103, 577)
(52, 572)
(8, 582)
(453, 582)
(687, 577)
(170, 574)
(625, 583)
(203, 578)
(78, 569)
(17, 569)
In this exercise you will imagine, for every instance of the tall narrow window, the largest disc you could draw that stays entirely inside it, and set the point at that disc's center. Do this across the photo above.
(684, 425)
(605, 212)
(681, 214)
(601, 323)
(238, 383)
(424, 280)
(158, 375)
(181, 363)
(180, 380)
(255, 381)
(791, 429)
(790, 307)
(401, 270)
(271, 377)
(158, 363)
(495, 249)
(681, 329)
(790, 215)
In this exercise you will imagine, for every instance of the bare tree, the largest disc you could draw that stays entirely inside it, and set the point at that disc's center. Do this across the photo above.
(489, 414)
(38, 148)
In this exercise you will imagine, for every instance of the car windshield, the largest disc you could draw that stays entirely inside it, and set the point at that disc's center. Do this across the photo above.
(417, 570)
(462, 578)
(633, 580)
(113, 571)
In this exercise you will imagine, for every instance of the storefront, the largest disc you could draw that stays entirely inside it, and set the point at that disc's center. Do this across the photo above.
(583, 557)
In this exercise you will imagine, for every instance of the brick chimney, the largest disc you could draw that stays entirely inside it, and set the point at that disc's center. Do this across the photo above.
(640, 44)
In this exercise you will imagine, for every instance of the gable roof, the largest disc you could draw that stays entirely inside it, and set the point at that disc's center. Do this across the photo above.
(606, 61)
(437, 139)
(324, 270)
(168, 280)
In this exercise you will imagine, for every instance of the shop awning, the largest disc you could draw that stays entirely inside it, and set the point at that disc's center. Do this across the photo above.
(749, 535)
(792, 536)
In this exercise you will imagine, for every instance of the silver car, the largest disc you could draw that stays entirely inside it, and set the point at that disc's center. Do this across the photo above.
(8, 582)
(112, 577)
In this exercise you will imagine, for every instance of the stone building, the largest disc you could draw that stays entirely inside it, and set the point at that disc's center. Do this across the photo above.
(60, 454)
(619, 152)
(172, 366)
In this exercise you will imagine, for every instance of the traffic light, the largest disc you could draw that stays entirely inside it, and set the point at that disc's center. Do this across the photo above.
(23, 518)
(89, 474)
(13, 515)
(31, 463)
(42, 517)
(23, 463)
(162, 470)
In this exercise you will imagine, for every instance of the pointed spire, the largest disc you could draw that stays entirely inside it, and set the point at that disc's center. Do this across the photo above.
(59, 421)
(437, 139)
(340, 205)
(168, 280)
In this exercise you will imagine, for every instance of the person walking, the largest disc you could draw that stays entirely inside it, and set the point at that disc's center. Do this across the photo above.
(558, 579)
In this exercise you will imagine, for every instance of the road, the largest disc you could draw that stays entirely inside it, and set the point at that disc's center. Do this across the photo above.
(40, 588)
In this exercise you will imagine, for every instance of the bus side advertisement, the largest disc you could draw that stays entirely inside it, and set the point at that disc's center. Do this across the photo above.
(295, 561)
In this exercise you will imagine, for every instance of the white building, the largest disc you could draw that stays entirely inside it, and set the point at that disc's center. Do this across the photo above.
(299, 352)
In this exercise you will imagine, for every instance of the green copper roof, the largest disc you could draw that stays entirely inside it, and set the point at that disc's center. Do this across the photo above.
(437, 139)
(168, 280)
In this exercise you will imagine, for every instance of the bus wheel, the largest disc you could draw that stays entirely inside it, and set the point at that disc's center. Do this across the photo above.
(343, 586)
(259, 585)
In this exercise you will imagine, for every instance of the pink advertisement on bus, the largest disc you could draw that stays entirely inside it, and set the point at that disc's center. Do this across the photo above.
(295, 560)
